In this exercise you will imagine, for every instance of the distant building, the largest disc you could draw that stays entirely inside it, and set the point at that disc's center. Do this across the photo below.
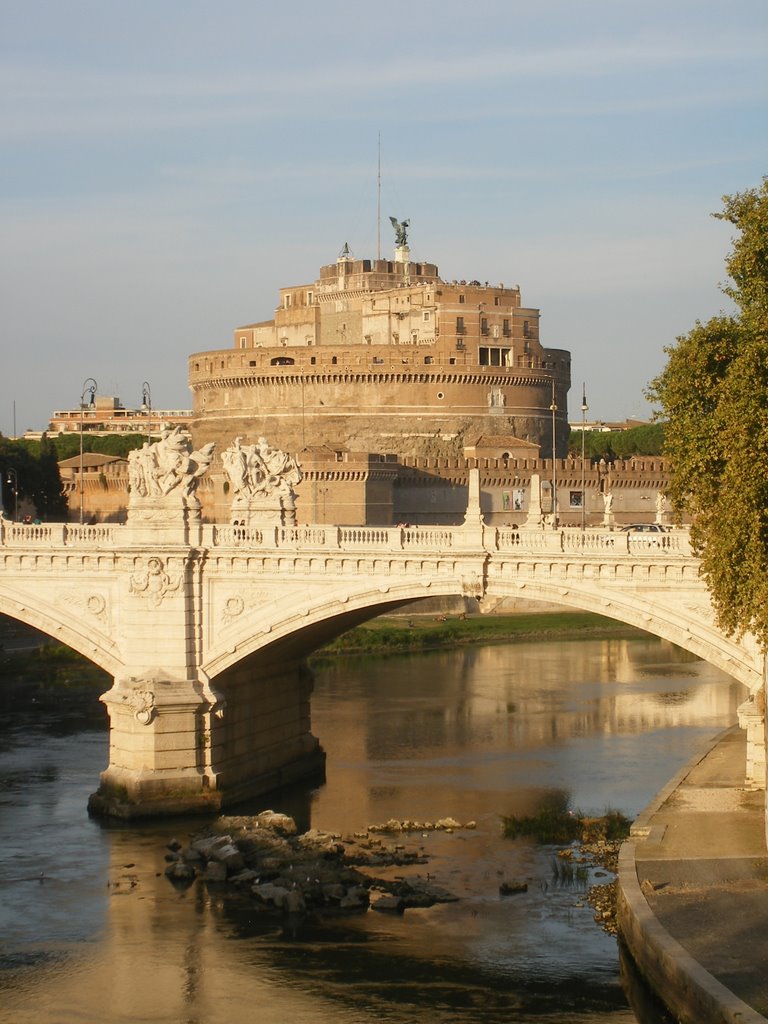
(108, 416)
(384, 356)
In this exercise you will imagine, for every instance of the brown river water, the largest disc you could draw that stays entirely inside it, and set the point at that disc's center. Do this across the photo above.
(91, 932)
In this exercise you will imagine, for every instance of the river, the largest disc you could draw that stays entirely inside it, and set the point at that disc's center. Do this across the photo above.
(91, 932)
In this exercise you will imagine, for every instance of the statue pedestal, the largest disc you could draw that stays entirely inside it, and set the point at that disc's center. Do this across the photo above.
(162, 521)
(251, 512)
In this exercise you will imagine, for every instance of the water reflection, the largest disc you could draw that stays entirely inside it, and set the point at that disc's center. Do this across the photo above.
(474, 734)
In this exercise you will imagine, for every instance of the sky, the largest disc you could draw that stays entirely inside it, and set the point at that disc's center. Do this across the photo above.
(167, 165)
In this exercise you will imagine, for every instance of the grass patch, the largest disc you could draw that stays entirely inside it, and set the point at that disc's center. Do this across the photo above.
(389, 634)
(555, 823)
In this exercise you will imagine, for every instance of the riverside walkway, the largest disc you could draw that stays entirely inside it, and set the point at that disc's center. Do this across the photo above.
(693, 891)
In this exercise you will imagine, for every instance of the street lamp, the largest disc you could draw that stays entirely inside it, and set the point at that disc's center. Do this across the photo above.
(89, 388)
(553, 409)
(584, 411)
(12, 478)
(146, 408)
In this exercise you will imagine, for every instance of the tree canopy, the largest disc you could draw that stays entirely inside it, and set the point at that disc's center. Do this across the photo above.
(647, 439)
(714, 396)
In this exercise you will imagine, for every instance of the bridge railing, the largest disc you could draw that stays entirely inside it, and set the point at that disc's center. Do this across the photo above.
(39, 535)
(366, 538)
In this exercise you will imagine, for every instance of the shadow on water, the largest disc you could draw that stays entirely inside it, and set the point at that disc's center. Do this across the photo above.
(344, 960)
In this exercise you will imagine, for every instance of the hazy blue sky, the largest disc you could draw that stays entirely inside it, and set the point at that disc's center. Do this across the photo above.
(166, 166)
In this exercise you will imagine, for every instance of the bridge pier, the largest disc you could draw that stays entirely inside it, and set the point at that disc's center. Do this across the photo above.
(159, 750)
(180, 747)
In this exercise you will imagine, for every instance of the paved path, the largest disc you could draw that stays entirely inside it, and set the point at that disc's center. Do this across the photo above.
(694, 890)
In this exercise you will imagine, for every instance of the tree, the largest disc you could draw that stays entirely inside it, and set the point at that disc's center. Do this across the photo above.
(714, 396)
(647, 439)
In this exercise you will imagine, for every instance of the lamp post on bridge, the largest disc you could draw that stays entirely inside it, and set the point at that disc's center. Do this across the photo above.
(89, 388)
(584, 411)
(146, 407)
(553, 409)
(12, 478)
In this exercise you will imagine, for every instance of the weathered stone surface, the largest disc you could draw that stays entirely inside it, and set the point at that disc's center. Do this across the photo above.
(313, 871)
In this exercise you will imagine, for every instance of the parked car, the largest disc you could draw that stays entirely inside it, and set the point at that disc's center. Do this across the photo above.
(644, 528)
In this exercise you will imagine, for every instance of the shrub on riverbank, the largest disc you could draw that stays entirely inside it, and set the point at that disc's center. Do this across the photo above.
(556, 823)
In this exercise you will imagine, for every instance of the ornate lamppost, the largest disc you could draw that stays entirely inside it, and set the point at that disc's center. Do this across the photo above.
(146, 408)
(89, 388)
(553, 409)
(12, 478)
(584, 411)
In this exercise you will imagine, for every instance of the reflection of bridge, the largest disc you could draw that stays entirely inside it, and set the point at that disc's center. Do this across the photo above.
(205, 627)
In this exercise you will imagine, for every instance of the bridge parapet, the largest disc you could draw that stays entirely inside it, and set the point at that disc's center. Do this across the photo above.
(37, 535)
(354, 538)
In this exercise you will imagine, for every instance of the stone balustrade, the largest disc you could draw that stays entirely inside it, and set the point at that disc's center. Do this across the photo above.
(364, 538)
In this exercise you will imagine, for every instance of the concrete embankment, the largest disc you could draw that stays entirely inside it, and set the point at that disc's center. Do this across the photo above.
(693, 891)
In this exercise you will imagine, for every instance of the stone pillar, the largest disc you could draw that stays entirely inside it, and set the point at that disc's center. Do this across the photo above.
(161, 709)
(472, 534)
(535, 517)
(159, 750)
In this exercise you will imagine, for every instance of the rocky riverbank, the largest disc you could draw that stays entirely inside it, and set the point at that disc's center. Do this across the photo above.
(266, 859)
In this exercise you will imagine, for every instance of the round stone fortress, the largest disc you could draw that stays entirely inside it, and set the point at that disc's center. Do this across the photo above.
(384, 356)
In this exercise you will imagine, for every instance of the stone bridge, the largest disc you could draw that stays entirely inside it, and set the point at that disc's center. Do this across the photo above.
(205, 628)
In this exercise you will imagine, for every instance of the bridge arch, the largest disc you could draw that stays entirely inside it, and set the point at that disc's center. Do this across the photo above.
(295, 635)
(62, 631)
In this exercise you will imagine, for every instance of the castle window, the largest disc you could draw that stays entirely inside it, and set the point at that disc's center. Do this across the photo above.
(312, 360)
(286, 301)
(243, 341)
(494, 356)
(505, 329)
(460, 329)
(484, 325)
(334, 360)
(427, 360)
(461, 298)
(281, 361)
(310, 298)
(425, 316)
(496, 300)
(526, 329)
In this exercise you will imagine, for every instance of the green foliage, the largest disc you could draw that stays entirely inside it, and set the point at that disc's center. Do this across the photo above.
(386, 635)
(647, 439)
(37, 471)
(68, 445)
(37, 474)
(714, 396)
(555, 822)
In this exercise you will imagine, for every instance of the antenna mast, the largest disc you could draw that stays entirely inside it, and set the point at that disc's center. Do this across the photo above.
(378, 207)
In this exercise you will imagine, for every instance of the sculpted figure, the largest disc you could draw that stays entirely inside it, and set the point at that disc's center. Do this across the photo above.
(156, 470)
(235, 466)
(401, 230)
(608, 502)
(259, 470)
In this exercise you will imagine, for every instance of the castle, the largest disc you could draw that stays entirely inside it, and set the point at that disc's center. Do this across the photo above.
(383, 356)
(389, 384)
